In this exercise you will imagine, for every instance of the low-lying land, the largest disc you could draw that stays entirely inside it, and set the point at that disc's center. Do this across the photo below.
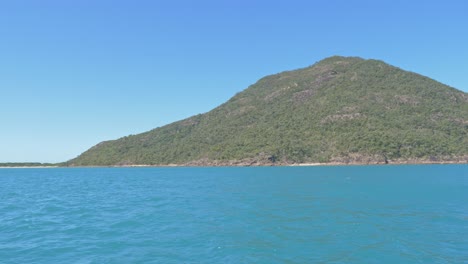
(27, 165)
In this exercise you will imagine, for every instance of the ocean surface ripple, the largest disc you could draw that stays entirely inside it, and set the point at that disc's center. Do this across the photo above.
(356, 214)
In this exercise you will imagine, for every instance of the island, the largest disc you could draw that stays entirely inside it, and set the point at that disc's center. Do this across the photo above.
(340, 110)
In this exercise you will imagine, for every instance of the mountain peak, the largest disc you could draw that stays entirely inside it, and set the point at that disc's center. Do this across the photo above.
(340, 59)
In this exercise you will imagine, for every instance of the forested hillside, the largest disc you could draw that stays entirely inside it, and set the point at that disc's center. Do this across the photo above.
(341, 109)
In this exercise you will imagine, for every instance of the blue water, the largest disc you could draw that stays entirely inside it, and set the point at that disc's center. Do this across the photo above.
(358, 214)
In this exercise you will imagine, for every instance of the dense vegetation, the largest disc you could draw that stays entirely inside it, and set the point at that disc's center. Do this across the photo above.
(339, 109)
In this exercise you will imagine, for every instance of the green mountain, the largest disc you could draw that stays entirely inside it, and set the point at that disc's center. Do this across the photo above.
(341, 109)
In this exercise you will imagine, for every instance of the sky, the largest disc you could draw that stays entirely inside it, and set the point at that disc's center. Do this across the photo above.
(75, 73)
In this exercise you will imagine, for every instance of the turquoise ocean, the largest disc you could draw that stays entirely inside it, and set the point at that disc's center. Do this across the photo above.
(342, 214)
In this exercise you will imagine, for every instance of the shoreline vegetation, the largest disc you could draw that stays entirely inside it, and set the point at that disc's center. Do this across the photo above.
(238, 163)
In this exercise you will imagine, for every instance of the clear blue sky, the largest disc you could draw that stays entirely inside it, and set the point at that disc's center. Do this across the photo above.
(74, 73)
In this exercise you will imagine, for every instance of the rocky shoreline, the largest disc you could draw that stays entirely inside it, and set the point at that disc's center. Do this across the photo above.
(342, 161)
(335, 162)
